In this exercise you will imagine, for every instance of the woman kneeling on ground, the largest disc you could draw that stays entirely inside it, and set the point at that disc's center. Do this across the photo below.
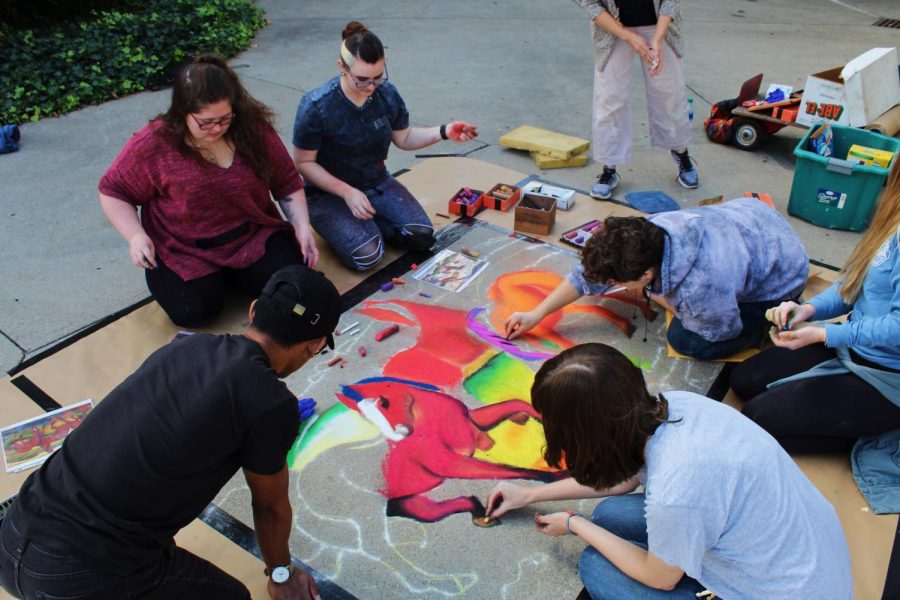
(724, 508)
(342, 133)
(828, 384)
(717, 268)
(204, 174)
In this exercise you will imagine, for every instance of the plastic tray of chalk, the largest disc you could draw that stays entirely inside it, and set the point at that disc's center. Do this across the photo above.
(579, 236)
(466, 202)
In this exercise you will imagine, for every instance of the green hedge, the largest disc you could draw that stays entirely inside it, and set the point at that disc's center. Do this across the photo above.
(61, 68)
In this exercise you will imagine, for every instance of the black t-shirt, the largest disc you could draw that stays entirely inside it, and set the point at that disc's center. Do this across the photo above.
(150, 457)
(636, 13)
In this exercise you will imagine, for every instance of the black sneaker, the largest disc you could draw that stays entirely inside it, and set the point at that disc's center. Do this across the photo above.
(687, 174)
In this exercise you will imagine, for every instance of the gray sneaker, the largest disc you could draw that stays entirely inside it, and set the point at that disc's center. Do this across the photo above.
(606, 183)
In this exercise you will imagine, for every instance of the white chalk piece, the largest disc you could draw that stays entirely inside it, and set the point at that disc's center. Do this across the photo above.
(349, 327)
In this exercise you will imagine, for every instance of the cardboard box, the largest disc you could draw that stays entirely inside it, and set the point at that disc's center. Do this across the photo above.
(468, 209)
(498, 202)
(565, 198)
(863, 155)
(853, 95)
(535, 214)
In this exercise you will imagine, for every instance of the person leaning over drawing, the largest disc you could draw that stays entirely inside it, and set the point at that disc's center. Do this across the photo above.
(717, 268)
(724, 508)
(342, 133)
(98, 519)
(826, 385)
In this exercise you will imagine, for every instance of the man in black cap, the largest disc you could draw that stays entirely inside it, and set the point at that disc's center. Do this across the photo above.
(98, 519)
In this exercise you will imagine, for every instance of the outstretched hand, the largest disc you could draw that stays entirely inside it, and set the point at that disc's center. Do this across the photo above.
(504, 498)
(518, 323)
(461, 131)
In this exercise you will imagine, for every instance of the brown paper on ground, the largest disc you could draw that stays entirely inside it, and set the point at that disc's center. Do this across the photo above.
(92, 366)
(869, 536)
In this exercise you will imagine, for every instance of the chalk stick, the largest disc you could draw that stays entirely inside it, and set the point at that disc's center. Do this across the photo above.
(362, 350)
(398, 281)
(334, 361)
(414, 266)
(349, 327)
(386, 287)
(354, 332)
(343, 362)
(442, 215)
(425, 295)
(471, 253)
(387, 332)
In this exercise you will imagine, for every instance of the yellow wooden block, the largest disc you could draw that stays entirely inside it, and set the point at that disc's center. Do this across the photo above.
(557, 145)
(548, 162)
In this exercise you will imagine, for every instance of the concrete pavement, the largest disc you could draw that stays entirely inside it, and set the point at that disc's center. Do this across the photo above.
(499, 64)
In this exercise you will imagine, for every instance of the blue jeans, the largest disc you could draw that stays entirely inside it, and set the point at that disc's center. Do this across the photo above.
(395, 208)
(624, 517)
(34, 573)
(753, 317)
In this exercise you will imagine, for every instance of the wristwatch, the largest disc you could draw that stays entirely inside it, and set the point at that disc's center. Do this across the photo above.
(280, 574)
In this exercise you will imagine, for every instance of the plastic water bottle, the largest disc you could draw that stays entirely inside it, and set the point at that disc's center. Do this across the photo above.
(690, 108)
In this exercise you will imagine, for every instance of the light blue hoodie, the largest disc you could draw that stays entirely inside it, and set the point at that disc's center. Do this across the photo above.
(716, 257)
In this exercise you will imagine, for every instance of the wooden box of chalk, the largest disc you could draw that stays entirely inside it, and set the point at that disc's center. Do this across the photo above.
(466, 202)
(579, 236)
(535, 214)
(502, 197)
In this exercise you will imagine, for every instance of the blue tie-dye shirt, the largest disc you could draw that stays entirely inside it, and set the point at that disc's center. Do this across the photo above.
(352, 141)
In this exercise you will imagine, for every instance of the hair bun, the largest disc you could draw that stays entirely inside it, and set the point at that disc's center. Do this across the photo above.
(353, 28)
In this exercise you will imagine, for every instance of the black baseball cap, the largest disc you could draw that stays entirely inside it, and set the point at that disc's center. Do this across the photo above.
(310, 297)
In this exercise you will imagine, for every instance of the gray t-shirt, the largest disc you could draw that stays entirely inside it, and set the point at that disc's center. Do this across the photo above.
(725, 503)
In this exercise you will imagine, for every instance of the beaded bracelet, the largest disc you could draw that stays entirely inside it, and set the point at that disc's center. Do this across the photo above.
(571, 513)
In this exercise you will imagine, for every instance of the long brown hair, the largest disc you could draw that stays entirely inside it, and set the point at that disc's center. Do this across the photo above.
(206, 80)
(885, 223)
(623, 250)
(597, 414)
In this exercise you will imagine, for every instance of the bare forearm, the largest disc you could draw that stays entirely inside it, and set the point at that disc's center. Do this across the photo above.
(609, 23)
(419, 137)
(122, 215)
(629, 558)
(661, 300)
(316, 174)
(569, 489)
(273, 529)
(295, 209)
(562, 295)
(662, 25)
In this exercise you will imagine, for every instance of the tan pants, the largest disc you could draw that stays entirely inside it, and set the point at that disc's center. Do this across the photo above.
(670, 127)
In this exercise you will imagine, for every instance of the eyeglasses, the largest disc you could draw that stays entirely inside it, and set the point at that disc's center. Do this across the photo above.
(207, 124)
(364, 82)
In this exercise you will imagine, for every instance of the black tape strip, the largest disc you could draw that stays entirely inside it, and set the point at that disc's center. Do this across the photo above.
(245, 537)
(39, 396)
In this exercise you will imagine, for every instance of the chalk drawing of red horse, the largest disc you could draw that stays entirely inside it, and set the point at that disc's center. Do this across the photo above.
(433, 436)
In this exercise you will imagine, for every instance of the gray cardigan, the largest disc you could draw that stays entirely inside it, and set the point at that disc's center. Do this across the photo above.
(604, 41)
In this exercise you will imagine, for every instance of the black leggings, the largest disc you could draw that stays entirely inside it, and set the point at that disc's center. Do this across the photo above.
(198, 301)
(814, 415)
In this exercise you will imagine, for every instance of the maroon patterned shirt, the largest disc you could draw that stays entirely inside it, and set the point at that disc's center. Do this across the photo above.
(188, 206)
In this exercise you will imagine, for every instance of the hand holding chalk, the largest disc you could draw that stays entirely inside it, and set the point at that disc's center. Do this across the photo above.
(307, 407)
(518, 323)
(788, 314)
(461, 131)
(802, 335)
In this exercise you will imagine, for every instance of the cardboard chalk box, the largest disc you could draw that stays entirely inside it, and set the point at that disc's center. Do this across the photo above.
(535, 214)
(564, 198)
(855, 94)
(501, 202)
(461, 208)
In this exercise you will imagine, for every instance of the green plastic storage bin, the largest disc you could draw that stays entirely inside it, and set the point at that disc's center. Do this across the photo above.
(836, 193)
